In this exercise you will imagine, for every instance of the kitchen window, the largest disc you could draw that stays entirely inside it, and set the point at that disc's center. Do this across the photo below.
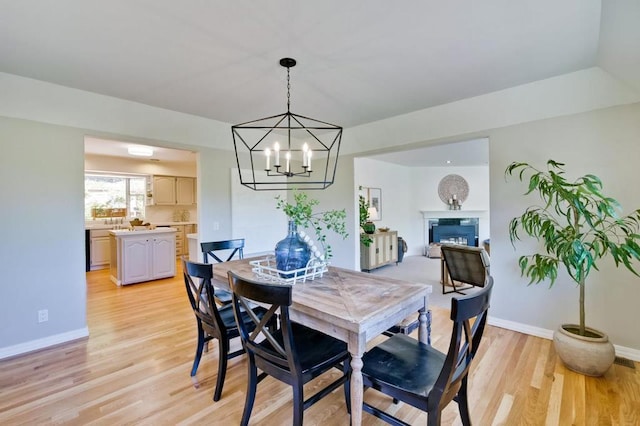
(112, 191)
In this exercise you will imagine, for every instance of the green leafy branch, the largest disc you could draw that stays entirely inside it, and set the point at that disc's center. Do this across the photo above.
(301, 212)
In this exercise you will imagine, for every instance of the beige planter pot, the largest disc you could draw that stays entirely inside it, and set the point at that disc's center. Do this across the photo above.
(591, 355)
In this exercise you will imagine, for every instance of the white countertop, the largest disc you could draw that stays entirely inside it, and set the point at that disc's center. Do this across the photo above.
(127, 233)
(173, 223)
(126, 225)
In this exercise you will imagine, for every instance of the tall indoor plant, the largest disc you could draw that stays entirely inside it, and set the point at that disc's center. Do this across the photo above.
(577, 225)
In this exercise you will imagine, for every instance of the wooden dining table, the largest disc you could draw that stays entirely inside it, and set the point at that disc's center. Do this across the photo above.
(351, 306)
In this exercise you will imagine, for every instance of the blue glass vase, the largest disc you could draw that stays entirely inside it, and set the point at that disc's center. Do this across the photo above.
(292, 252)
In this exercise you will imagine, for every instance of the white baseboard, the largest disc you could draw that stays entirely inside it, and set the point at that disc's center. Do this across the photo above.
(621, 351)
(35, 345)
(629, 353)
(521, 328)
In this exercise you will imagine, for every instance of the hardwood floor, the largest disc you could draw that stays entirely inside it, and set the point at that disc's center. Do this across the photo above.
(134, 369)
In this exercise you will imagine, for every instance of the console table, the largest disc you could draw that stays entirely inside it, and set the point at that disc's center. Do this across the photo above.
(383, 250)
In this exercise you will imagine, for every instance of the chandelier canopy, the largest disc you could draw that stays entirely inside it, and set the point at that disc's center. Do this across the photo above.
(288, 150)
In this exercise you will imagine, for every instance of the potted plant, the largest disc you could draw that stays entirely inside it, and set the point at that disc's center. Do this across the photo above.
(578, 225)
(364, 222)
(293, 252)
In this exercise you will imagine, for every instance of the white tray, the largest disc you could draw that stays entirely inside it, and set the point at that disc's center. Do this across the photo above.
(266, 269)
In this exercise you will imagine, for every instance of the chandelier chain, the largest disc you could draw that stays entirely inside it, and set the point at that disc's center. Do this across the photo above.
(288, 90)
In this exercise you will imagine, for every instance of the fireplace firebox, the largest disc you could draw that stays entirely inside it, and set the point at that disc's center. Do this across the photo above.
(454, 230)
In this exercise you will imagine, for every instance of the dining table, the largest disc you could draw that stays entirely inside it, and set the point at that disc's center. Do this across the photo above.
(349, 305)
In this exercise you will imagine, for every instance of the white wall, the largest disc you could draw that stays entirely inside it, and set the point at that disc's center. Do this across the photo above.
(42, 249)
(396, 185)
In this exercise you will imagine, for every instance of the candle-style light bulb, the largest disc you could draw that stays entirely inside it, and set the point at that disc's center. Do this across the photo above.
(267, 153)
(309, 153)
(276, 148)
(288, 160)
(305, 149)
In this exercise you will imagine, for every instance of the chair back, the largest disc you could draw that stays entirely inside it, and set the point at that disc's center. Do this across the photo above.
(209, 248)
(277, 358)
(469, 316)
(466, 264)
(201, 296)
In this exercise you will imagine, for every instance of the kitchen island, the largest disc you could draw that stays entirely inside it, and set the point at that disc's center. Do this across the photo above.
(146, 255)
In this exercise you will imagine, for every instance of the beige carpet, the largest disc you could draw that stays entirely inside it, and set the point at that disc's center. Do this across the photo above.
(423, 270)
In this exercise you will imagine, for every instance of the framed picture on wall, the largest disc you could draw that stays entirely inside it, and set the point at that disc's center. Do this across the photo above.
(374, 198)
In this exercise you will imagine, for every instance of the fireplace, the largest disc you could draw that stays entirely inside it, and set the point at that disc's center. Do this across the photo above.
(454, 230)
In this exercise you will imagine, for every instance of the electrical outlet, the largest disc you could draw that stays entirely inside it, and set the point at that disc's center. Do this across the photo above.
(216, 226)
(43, 315)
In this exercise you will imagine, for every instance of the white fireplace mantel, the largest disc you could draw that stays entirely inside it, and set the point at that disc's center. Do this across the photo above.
(435, 214)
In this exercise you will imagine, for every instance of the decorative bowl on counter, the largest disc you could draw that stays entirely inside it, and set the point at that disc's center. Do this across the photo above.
(136, 222)
(383, 229)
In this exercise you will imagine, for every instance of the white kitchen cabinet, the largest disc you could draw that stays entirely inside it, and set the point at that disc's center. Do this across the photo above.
(136, 260)
(383, 250)
(163, 256)
(143, 255)
(172, 190)
(99, 249)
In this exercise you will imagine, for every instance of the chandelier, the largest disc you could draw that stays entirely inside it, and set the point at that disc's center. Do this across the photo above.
(286, 151)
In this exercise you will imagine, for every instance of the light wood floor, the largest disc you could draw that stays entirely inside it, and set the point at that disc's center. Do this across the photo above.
(134, 369)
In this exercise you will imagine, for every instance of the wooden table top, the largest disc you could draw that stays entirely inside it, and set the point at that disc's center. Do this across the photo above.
(351, 300)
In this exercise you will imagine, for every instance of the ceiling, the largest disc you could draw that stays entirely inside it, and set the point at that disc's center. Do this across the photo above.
(358, 61)
(114, 148)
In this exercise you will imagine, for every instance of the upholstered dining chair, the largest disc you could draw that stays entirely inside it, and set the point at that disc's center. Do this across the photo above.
(213, 322)
(231, 249)
(293, 354)
(466, 265)
(423, 377)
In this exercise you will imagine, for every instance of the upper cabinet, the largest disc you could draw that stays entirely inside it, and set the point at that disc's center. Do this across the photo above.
(173, 190)
(185, 190)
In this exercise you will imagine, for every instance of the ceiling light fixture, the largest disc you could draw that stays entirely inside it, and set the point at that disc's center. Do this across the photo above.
(140, 151)
(286, 151)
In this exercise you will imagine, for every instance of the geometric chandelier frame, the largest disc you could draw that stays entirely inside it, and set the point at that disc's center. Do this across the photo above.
(286, 151)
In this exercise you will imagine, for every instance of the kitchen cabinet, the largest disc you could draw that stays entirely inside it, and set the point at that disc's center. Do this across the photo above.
(99, 248)
(383, 250)
(174, 190)
(180, 240)
(142, 255)
(185, 190)
(182, 246)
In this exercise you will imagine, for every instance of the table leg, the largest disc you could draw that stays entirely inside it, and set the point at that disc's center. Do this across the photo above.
(424, 328)
(356, 390)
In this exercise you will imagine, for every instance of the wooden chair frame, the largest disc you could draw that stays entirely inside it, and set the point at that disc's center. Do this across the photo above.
(222, 297)
(393, 366)
(277, 353)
